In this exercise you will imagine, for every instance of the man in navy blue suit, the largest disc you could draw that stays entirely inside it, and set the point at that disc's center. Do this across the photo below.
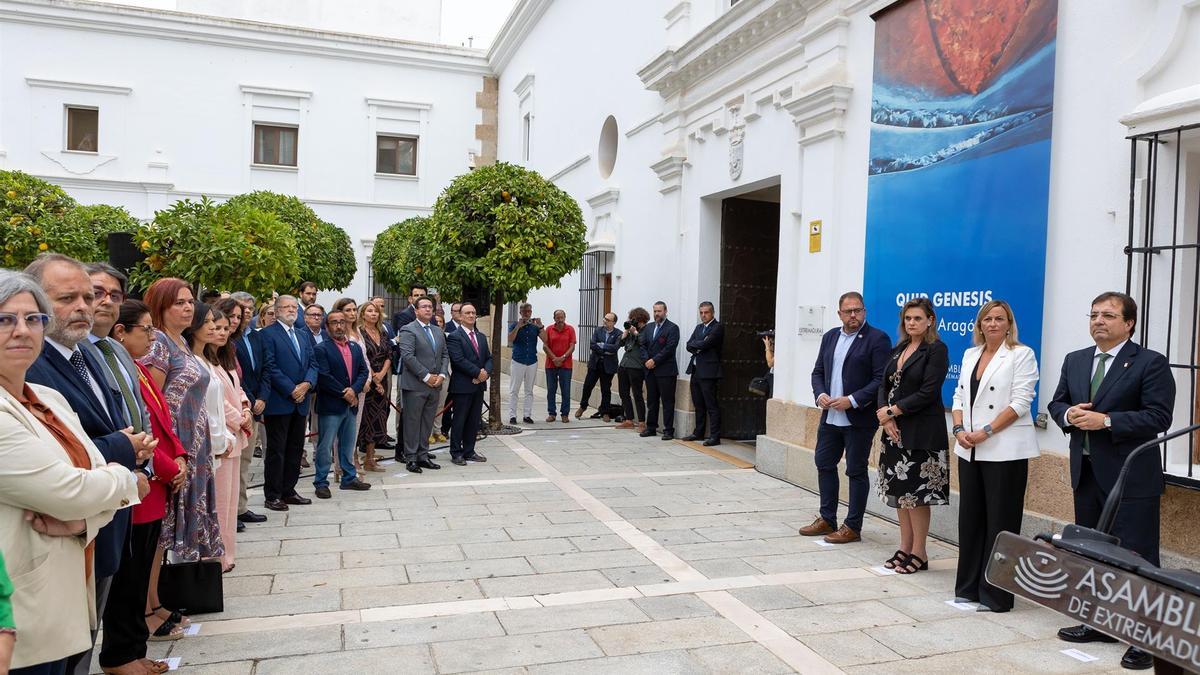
(705, 368)
(845, 378)
(80, 378)
(659, 341)
(341, 375)
(289, 372)
(471, 362)
(249, 356)
(1111, 398)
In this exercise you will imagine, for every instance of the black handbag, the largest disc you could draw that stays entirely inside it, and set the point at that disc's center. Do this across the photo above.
(763, 385)
(192, 587)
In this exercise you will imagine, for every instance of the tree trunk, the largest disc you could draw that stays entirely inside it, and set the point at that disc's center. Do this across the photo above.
(495, 417)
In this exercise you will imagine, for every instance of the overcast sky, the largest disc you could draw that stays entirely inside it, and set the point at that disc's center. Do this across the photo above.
(478, 19)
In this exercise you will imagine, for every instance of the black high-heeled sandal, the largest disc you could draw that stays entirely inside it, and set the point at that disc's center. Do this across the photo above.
(897, 559)
(165, 631)
(912, 565)
(175, 617)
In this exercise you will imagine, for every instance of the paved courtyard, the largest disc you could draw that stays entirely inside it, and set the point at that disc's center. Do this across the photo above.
(578, 548)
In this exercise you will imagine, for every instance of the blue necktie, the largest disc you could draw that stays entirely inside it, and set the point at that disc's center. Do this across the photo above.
(432, 342)
(295, 342)
(249, 349)
(655, 335)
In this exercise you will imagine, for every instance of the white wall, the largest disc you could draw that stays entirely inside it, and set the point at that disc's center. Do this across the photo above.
(178, 99)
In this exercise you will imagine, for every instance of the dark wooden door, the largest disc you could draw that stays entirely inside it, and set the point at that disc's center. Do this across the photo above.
(749, 269)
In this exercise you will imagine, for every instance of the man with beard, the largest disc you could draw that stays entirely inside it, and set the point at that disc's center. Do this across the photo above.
(82, 380)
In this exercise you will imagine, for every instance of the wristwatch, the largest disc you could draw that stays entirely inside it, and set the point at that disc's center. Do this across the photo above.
(987, 429)
(889, 412)
(1107, 422)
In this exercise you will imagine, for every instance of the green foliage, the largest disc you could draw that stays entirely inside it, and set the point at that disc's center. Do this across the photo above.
(506, 228)
(233, 246)
(27, 205)
(399, 258)
(326, 255)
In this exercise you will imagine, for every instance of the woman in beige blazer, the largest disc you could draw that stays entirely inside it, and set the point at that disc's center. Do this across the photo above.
(995, 440)
(56, 492)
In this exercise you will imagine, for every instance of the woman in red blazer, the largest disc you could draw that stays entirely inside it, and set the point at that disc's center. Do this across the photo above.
(135, 332)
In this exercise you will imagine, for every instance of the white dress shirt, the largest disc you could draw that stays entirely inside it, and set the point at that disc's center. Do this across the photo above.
(96, 390)
(1112, 356)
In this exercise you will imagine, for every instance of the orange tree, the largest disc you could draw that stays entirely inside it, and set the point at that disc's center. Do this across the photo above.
(325, 252)
(398, 259)
(507, 230)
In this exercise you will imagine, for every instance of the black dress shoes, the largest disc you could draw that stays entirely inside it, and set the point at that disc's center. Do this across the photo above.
(385, 446)
(297, 500)
(1083, 634)
(251, 517)
(241, 527)
(691, 437)
(426, 464)
(711, 442)
(258, 452)
(276, 505)
(512, 420)
(648, 433)
(458, 462)
(477, 458)
(323, 493)
(356, 485)
(527, 420)
(668, 436)
(412, 467)
(1136, 659)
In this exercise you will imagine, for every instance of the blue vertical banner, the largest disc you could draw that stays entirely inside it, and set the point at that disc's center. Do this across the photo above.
(959, 172)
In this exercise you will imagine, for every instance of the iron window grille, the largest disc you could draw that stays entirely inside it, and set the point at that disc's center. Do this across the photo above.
(595, 293)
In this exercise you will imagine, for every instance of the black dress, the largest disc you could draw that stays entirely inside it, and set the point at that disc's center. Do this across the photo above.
(376, 409)
(915, 471)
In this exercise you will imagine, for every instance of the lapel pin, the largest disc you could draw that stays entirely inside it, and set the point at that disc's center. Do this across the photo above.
(1126, 364)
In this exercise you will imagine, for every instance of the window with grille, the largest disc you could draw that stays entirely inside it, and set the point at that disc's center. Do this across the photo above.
(595, 297)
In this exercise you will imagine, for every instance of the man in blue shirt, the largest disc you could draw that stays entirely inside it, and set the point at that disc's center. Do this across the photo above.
(845, 378)
(523, 336)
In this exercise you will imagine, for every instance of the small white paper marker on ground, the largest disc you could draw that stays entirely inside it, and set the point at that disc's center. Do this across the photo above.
(823, 543)
(964, 606)
(193, 629)
(400, 475)
(173, 662)
(883, 570)
(1080, 656)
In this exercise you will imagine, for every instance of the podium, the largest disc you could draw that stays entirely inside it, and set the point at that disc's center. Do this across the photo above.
(1084, 574)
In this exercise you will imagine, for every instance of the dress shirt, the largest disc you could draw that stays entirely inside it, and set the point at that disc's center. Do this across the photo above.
(249, 349)
(96, 390)
(1112, 357)
(838, 418)
(317, 337)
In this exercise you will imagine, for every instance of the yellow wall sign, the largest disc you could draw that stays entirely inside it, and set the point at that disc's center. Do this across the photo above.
(814, 237)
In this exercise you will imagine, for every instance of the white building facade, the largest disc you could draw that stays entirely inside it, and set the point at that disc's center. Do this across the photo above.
(741, 123)
(140, 107)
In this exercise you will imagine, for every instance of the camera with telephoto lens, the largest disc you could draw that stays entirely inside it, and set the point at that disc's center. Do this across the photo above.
(767, 333)
(628, 325)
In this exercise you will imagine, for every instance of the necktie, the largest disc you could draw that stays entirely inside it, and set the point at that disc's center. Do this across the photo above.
(295, 342)
(80, 367)
(429, 333)
(1097, 378)
(655, 335)
(474, 344)
(249, 349)
(110, 357)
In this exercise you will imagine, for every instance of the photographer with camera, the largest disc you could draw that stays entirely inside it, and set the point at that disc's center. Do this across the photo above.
(523, 336)
(632, 373)
(602, 365)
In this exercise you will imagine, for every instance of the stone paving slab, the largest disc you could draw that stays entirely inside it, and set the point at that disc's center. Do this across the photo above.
(514, 650)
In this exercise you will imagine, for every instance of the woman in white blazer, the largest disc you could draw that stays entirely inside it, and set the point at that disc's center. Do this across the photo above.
(995, 439)
(50, 507)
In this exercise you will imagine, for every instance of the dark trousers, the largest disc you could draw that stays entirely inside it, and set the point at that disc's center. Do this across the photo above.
(281, 459)
(448, 415)
(629, 382)
(855, 443)
(1136, 523)
(708, 412)
(125, 631)
(468, 411)
(58, 667)
(991, 501)
(595, 375)
(660, 391)
(398, 455)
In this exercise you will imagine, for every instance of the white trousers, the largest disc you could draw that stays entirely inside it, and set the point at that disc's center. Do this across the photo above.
(521, 374)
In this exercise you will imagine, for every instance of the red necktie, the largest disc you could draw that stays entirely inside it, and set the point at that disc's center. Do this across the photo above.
(474, 344)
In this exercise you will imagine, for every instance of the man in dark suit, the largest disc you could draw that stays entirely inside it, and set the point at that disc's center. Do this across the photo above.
(426, 366)
(249, 356)
(1110, 399)
(471, 360)
(452, 325)
(341, 375)
(705, 369)
(845, 381)
(289, 372)
(399, 321)
(602, 365)
(82, 380)
(659, 341)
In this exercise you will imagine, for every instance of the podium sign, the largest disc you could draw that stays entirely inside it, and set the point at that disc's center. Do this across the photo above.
(1159, 619)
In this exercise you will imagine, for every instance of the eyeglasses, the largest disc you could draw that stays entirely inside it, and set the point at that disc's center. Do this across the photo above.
(337, 322)
(852, 311)
(145, 327)
(1107, 316)
(35, 322)
(117, 297)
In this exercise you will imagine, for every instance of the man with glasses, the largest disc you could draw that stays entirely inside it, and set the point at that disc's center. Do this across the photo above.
(341, 375)
(1111, 398)
(290, 370)
(845, 379)
(314, 318)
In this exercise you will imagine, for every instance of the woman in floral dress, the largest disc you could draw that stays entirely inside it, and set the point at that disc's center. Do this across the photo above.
(190, 530)
(914, 473)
